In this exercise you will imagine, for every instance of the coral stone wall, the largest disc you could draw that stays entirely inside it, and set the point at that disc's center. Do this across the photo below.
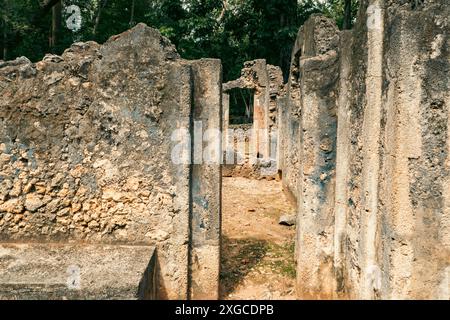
(86, 148)
(366, 153)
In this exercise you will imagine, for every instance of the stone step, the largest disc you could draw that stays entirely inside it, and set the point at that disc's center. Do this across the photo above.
(35, 271)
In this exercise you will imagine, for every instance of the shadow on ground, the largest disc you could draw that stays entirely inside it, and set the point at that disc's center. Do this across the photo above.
(239, 257)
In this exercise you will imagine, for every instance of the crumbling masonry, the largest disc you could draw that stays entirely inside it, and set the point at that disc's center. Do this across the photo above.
(86, 158)
(96, 203)
(252, 151)
(366, 153)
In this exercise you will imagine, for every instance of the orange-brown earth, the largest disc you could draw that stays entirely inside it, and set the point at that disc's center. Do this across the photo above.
(257, 252)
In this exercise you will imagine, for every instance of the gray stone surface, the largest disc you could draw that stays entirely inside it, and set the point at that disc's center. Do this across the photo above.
(319, 66)
(73, 271)
(393, 226)
(206, 183)
(316, 40)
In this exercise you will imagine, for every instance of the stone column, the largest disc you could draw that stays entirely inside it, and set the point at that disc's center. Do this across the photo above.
(414, 248)
(318, 122)
(206, 182)
(261, 108)
(371, 142)
(225, 121)
(342, 165)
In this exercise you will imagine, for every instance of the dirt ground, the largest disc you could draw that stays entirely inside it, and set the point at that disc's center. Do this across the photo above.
(257, 252)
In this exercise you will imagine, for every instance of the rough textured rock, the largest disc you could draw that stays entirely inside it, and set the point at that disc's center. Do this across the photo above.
(395, 125)
(258, 146)
(288, 220)
(206, 184)
(71, 271)
(85, 149)
(318, 65)
(367, 153)
(314, 51)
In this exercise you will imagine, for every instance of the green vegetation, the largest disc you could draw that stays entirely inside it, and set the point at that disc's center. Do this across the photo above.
(281, 259)
(255, 256)
(231, 30)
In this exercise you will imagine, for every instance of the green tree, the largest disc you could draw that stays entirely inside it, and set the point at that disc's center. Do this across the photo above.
(234, 31)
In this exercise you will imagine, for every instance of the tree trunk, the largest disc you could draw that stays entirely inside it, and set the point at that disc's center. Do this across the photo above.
(132, 13)
(101, 6)
(288, 18)
(5, 32)
(15, 38)
(347, 15)
(56, 26)
(4, 40)
(224, 10)
(45, 8)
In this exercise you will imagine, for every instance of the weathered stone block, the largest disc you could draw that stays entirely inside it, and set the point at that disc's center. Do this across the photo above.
(87, 146)
(72, 271)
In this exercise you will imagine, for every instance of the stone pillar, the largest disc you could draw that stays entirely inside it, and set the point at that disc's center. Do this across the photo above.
(276, 95)
(225, 121)
(281, 122)
(206, 182)
(414, 248)
(342, 165)
(371, 142)
(315, 226)
(261, 108)
(291, 163)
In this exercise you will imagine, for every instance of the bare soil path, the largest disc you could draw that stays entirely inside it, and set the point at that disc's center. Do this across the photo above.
(257, 252)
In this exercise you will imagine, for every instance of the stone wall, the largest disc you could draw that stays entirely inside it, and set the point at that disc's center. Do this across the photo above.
(260, 158)
(242, 162)
(100, 150)
(396, 153)
(367, 153)
(411, 232)
(86, 154)
(318, 67)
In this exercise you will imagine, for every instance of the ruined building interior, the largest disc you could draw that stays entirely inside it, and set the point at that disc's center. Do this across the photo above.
(96, 203)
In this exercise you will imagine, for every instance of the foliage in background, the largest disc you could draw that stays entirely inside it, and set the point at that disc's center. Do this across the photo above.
(234, 31)
(335, 10)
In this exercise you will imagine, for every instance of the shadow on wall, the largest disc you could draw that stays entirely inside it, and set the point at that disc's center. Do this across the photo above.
(160, 292)
(148, 286)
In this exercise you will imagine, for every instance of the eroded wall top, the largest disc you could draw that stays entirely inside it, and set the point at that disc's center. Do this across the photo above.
(86, 143)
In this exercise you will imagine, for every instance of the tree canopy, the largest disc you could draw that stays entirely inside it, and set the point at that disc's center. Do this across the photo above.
(234, 31)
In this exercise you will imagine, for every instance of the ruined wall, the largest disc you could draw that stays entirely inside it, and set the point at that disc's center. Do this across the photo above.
(377, 227)
(396, 127)
(414, 146)
(241, 161)
(290, 117)
(86, 153)
(276, 91)
(253, 150)
(315, 116)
